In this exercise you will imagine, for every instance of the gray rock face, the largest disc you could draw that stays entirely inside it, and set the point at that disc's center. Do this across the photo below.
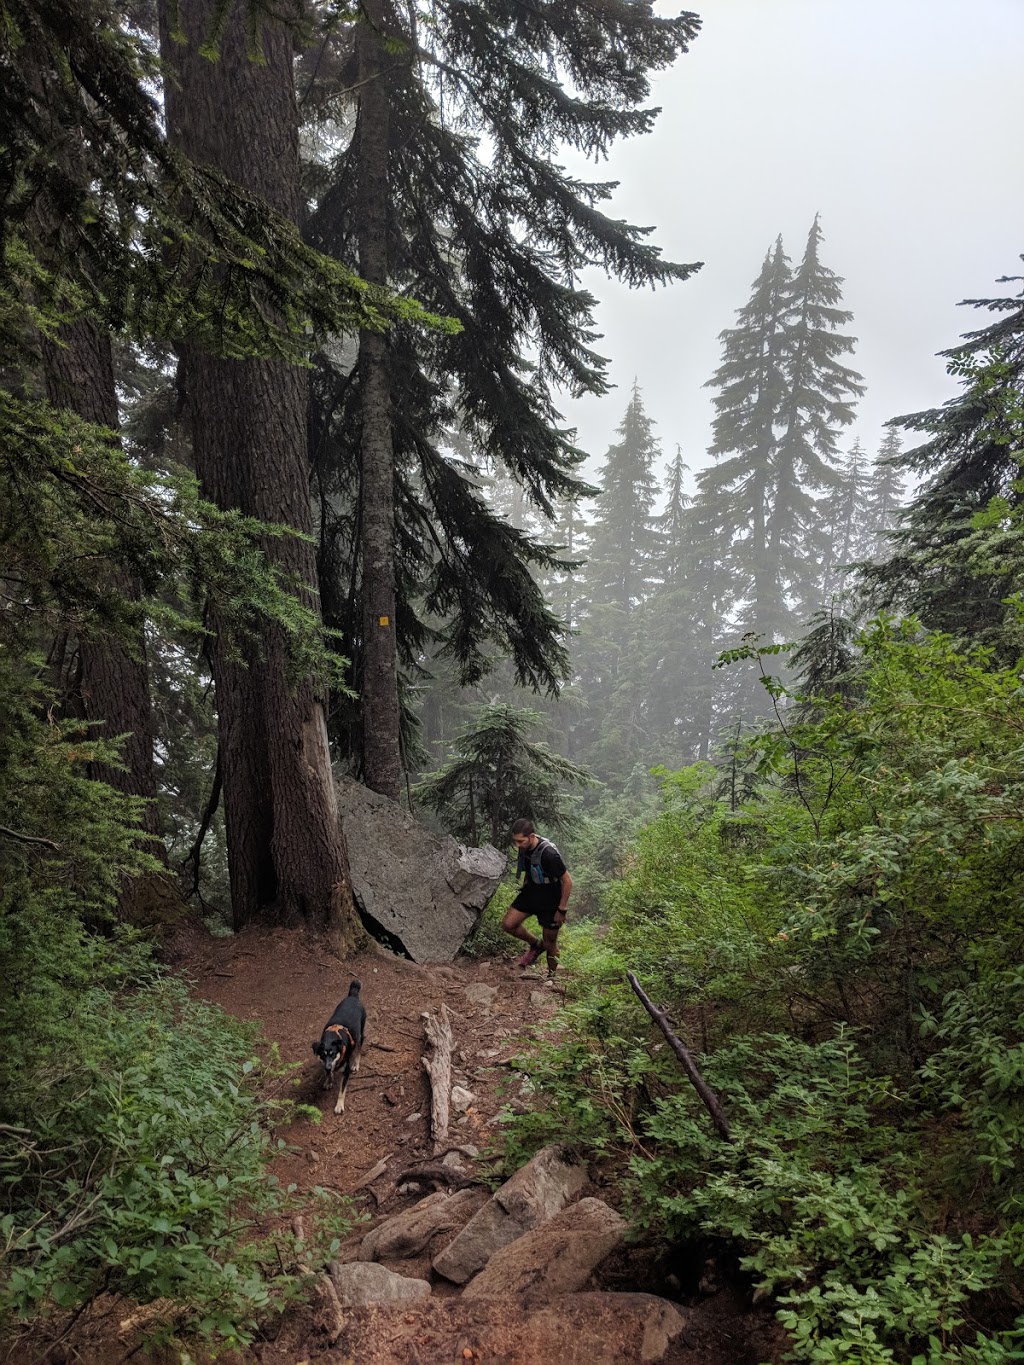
(555, 1258)
(541, 1188)
(362, 1282)
(529, 1198)
(408, 1233)
(487, 1231)
(418, 892)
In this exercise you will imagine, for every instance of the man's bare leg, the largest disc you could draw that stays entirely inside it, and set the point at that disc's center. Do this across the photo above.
(513, 924)
(551, 948)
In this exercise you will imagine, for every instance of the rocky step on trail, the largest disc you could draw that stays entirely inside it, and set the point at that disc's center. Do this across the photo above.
(444, 1270)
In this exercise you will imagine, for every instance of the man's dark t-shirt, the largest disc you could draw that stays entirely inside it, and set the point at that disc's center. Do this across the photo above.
(541, 891)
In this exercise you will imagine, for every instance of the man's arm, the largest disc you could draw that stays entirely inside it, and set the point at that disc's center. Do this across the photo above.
(566, 884)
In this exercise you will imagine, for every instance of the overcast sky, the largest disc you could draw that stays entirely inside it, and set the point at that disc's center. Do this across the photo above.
(900, 121)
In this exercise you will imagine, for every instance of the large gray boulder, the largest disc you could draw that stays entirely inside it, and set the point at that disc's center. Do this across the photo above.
(534, 1194)
(362, 1282)
(557, 1258)
(406, 1234)
(418, 892)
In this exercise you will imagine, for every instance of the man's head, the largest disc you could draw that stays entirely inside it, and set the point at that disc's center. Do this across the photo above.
(523, 834)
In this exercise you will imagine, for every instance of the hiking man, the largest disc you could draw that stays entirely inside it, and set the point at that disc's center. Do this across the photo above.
(544, 893)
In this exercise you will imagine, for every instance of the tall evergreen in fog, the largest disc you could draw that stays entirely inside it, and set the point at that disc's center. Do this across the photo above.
(737, 493)
(623, 538)
(617, 580)
(885, 495)
(570, 537)
(784, 395)
(970, 454)
(449, 189)
(820, 392)
(680, 636)
(848, 531)
(673, 525)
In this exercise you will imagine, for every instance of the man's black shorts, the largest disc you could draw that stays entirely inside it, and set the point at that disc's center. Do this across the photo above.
(539, 901)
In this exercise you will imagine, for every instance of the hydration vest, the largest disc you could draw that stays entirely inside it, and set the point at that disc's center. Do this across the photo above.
(530, 862)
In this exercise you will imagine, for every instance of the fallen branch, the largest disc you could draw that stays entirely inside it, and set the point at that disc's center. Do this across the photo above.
(439, 1069)
(161, 1310)
(707, 1095)
(331, 1295)
(374, 1173)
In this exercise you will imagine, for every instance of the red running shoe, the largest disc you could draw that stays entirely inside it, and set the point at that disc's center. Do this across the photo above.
(529, 957)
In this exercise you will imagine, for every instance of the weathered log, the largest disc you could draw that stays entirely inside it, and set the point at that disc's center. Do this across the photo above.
(709, 1098)
(439, 1069)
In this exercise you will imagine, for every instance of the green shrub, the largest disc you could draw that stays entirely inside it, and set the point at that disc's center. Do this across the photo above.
(140, 1167)
(133, 1141)
(841, 949)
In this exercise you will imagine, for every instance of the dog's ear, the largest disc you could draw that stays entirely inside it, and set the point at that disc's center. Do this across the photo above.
(318, 1048)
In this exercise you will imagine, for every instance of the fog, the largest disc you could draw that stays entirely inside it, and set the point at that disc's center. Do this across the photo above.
(899, 121)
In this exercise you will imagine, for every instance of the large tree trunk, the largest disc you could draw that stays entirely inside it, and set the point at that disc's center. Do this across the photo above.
(286, 855)
(113, 682)
(381, 715)
(112, 685)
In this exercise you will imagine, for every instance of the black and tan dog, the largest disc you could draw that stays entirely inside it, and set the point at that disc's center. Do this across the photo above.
(341, 1043)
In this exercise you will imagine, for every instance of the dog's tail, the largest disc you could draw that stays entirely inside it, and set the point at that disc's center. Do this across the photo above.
(355, 988)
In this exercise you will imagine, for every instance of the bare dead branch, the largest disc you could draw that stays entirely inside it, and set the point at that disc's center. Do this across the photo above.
(709, 1098)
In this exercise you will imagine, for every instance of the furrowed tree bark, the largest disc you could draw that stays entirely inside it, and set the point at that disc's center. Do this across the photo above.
(381, 714)
(112, 687)
(79, 376)
(286, 854)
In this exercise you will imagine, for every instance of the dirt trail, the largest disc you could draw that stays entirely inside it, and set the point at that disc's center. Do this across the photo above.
(280, 978)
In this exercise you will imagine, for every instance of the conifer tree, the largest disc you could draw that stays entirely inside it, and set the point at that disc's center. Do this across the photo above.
(103, 678)
(825, 664)
(820, 391)
(147, 246)
(623, 538)
(737, 493)
(247, 421)
(563, 587)
(969, 456)
(498, 774)
(784, 395)
(672, 525)
(849, 536)
(678, 636)
(884, 496)
(618, 579)
(483, 226)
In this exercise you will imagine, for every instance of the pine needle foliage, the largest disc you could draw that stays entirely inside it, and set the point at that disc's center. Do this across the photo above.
(498, 775)
(486, 227)
(148, 242)
(941, 564)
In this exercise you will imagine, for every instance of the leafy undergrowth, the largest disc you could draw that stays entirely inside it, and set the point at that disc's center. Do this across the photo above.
(841, 949)
(134, 1142)
(139, 1168)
